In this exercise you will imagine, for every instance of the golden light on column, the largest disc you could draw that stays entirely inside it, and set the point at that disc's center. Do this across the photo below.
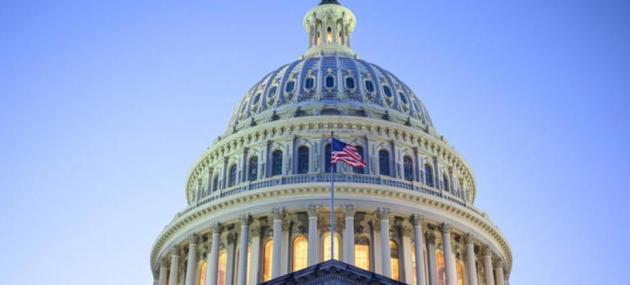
(441, 268)
(460, 273)
(267, 257)
(300, 253)
(413, 264)
(222, 268)
(394, 260)
(202, 272)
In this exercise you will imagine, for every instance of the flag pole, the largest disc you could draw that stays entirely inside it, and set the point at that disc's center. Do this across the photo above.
(332, 199)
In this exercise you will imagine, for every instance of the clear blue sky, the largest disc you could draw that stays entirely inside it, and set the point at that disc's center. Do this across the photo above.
(105, 105)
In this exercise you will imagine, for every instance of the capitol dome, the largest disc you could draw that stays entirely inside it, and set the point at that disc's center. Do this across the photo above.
(258, 196)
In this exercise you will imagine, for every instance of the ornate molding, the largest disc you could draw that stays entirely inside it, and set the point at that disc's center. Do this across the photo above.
(383, 213)
(349, 211)
(416, 220)
(445, 228)
(246, 219)
(313, 211)
(278, 213)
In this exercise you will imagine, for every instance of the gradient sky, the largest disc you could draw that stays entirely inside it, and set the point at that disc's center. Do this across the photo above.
(105, 105)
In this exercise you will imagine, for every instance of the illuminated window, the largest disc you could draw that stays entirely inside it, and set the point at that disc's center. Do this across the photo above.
(383, 162)
(222, 268)
(202, 272)
(267, 258)
(303, 155)
(276, 163)
(253, 168)
(362, 253)
(329, 35)
(441, 269)
(459, 267)
(408, 168)
(326, 246)
(232, 175)
(413, 264)
(300, 253)
(428, 173)
(394, 260)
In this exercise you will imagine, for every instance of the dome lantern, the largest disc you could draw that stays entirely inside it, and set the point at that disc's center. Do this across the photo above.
(329, 26)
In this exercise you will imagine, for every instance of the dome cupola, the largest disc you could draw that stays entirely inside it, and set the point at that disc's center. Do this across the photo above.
(329, 26)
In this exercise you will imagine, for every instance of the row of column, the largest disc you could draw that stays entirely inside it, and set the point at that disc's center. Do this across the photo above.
(383, 215)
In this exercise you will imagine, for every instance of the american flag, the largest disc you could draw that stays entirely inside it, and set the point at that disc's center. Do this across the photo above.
(346, 153)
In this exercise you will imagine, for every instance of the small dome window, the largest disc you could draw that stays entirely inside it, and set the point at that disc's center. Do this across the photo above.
(310, 83)
(369, 86)
(349, 82)
(272, 91)
(256, 98)
(387, 90)
(403, 98)
(330, 81)
(290, 86)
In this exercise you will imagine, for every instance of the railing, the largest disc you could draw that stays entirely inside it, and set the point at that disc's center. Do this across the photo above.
(325, 177)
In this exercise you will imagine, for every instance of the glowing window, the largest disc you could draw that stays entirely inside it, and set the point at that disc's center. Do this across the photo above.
(222, 268)
(329, 35)
(326, 246)
(267, 258)
(300, 253)
(459, 267)
(408, 168)
(276, 163)
(362, 253)
(413, 264)
(394, 260)
(441, 269)
(202, 272)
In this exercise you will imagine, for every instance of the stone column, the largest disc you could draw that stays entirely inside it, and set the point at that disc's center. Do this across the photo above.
(213, 257)
(470, 260)
(254, 263)
(172, 278)
(246, 220)
(416, 221)
(232, 238)
(313, 240)
(348, 235)
(192, 260)
(487, 264)
(383, 216)
(500, 273)
(276, 265)
(163, 273)
(431, 258)
(449, 261)
(406, 233)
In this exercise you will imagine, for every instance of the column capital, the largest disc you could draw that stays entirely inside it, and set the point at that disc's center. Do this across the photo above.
(383, 213)
(430, 237)
(194, 240)
(469, 239)
(416, 219)
(487, 252)
(246, 219)
(349, 211)
(175, 252)
(217, 228)
(313, 211)
(500, 264)
(445, 228)
(278, 213)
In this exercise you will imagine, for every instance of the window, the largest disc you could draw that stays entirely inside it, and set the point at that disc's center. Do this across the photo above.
(303, 155)
(403, 98)
(327, 157)
(408, 166)
(356, 169)
(276, 163)
(362, 253)
(329, 35)
(326, 246)
(447, 187)
(394, 260)
(221, 274)
(459, 267)
(310, 83)
(267, 259)
(441, 269)
(383, 162)
(272, 91)
(413, 264)
(300, 253)
(253, 168)
(428, 174)
(330, 81)
(387, 90)
(290, 86)
(369, 86)
(202, 272)
(349, 82)
(256, 98)
(215, 182)
(232, 175)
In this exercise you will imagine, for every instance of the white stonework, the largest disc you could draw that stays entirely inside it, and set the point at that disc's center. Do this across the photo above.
(265, 179)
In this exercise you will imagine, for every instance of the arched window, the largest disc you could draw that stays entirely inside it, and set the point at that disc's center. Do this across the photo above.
(203, 267)
(413, 264)
(330, 81)
(329, 35)
(327, 157)
(428, 174)
(267, 259)
(232, 175)
(310, 83)
(300, 253)
(369, 86)
(222, 268)
(441, 269)
(459, 267)
(276, 162)
(395, 260)
(356, 169)
(326, 246)
(447, 186)
(408, 166)
(272, 91)
(383, 162)
(349, 82)
(253, 168)
(362, 253)
(303, 160)
(215, 182)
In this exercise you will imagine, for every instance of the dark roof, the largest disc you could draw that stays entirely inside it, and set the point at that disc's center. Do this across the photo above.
(334, 2)
(333, 272)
